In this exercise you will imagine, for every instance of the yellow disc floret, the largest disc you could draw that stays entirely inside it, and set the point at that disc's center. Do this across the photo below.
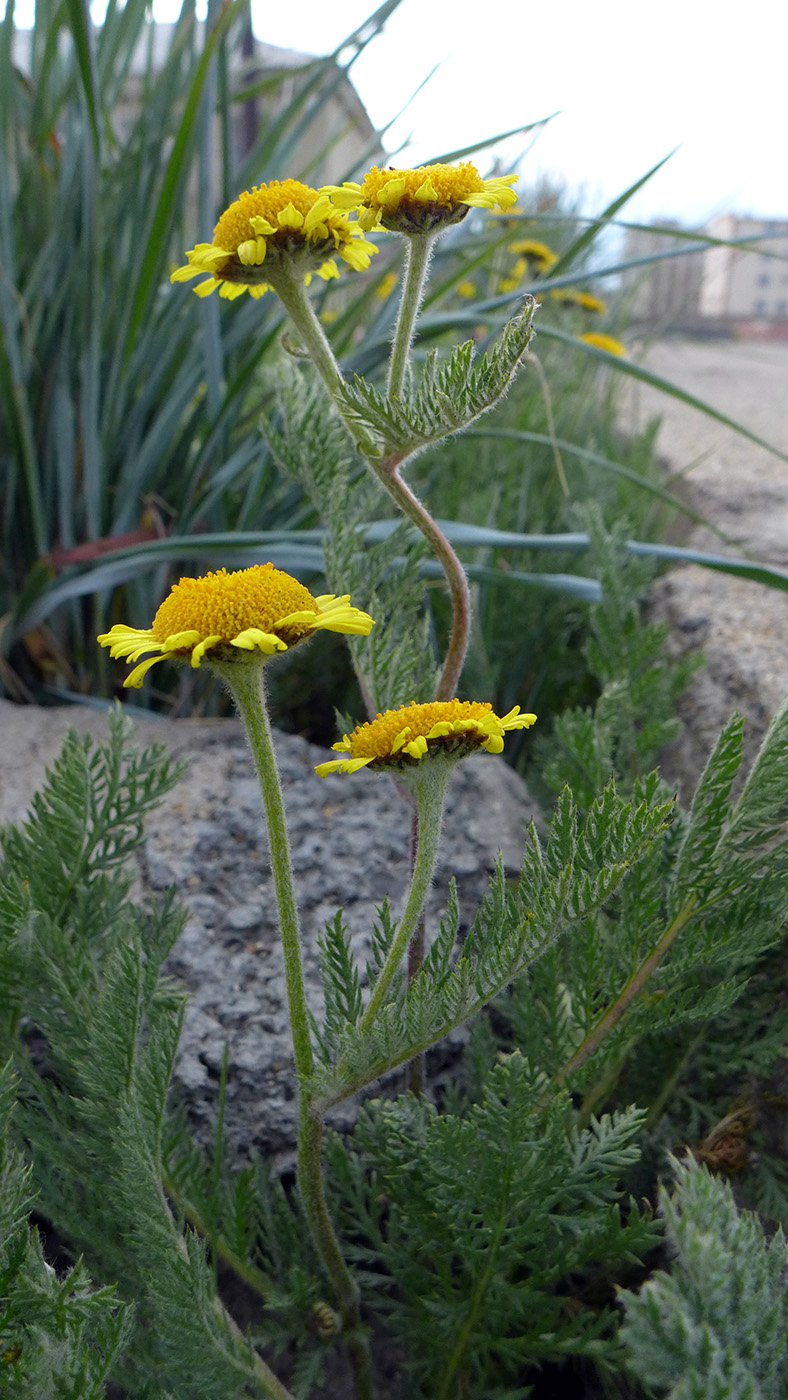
(422, 199)
(227, 604)
(270, 225)
(538, 253)
(447, 728)
(600, 341)
(228, 616)
(586, 301)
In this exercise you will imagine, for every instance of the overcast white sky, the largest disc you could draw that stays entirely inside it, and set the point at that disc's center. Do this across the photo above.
(630, 80)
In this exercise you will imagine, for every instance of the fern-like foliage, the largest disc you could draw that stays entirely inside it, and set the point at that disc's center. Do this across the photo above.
(716, 1325)
(561, 886)
(92, 1033)
(447, 397)
(635, 714)
(488, 1216)
(58, 1337)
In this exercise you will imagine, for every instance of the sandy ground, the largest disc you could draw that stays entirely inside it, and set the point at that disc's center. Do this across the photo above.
(743, 488)
(741, 627)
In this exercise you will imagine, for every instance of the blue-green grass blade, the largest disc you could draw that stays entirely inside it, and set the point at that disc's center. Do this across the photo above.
(173, 182)
(624, 366)
(82, 33)
(462, 152)
(596, 459)
(579, 244)
(719, 563)
(572, 585)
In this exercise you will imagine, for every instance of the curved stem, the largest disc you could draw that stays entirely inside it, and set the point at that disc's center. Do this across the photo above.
(431, 792)
(248, 690)
(416, 264)
(456, 577)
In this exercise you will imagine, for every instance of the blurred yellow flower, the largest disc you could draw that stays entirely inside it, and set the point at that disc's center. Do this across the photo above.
(466, 289)
(225, 617)
(443, 728)
(269, 225)
(423, 199)
(508, 284)
(387, 286)
(585, 300)
(538, 253)
(604, 342)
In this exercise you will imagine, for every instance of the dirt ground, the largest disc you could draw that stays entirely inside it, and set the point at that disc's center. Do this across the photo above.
(742, 488)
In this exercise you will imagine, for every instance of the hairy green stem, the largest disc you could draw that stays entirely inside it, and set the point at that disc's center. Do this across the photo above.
(247, 686)
(288, 284)
(310, 1182)
(248, 690)
(416, 264)
(456, 577)
(289, 287)
(431, 792)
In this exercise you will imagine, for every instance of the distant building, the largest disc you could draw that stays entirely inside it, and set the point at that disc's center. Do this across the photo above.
(747, 284)
(718, 290)
(327, 149)
(664, 293)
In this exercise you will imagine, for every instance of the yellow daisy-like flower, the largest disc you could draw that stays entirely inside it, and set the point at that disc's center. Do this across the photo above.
(270, 225)
(466, 289)
(421, 200)
(387, 286)
(538, 253)
(402, 738)
(585, 300)
(226, 617)
(604, 342)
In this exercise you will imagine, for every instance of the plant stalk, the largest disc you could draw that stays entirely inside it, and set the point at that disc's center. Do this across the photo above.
(416, 264)
(246, 683)
(247, 686)
(633, 987)
(431, 792)
(289, 287)
(456, 577)
(310, 1184)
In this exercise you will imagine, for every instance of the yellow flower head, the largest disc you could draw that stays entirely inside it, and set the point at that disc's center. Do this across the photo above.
(387, 286)
(225, 617)
(466, 289)
(269, 225)
(585, 300)
(604, 342)
(401, 738)
(421, 200)
(537, 253)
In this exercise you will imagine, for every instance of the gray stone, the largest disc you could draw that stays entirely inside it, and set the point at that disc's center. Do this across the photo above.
(350, 841)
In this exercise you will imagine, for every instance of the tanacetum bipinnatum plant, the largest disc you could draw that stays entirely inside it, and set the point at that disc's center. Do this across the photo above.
(477, 1238)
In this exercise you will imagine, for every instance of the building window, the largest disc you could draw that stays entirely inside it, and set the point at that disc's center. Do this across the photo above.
(760, 307)
(782, 308)
(763, 280)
